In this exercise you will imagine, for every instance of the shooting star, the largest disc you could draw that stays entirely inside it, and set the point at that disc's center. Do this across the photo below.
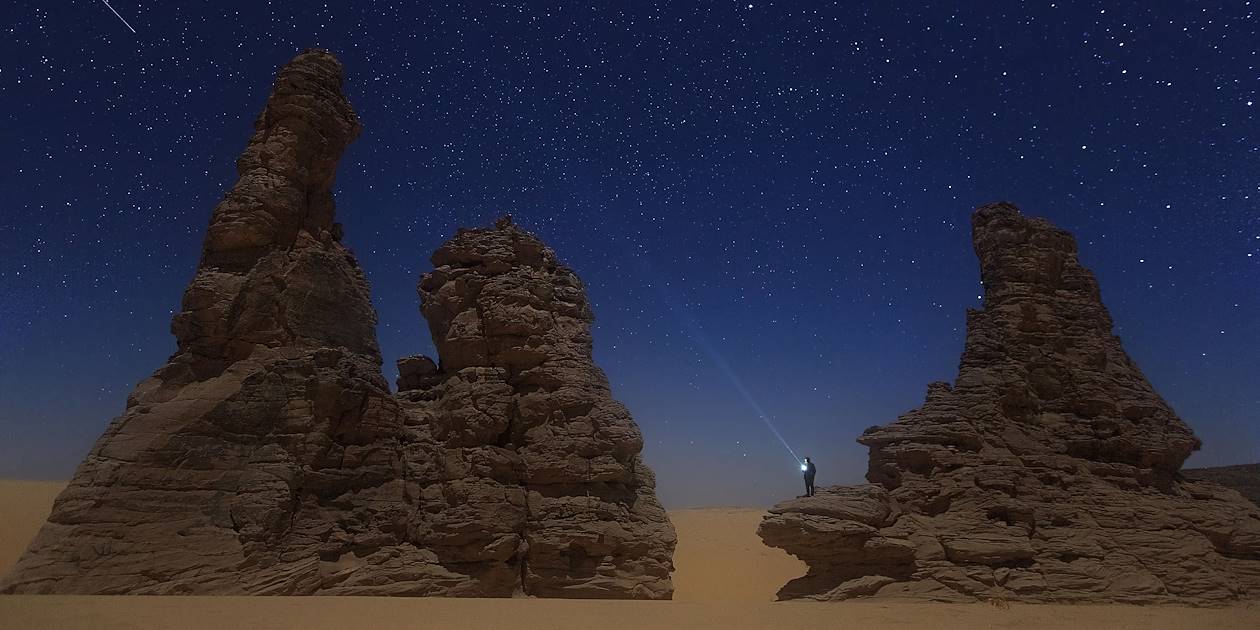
(119, 16)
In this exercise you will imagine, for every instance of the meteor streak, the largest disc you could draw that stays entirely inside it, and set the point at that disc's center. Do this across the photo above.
(119, 16)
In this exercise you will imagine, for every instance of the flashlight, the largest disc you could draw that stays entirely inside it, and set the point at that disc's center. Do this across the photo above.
(803, 467)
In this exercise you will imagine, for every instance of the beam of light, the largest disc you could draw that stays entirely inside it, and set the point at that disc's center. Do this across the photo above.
(701, 340)
(679, 307)
(119, 16)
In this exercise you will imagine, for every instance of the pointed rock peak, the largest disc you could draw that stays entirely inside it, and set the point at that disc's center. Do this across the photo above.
(1046, 335)
(273, 273)
(232, 469)
(284, 195)
(1026, 257)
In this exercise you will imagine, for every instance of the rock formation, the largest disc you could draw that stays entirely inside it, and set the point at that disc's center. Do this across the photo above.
(1049, 471)
(520, 411)
(268, 455)
(1245, 478)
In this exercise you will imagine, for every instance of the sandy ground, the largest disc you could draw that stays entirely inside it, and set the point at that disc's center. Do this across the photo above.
(720, 558)
(725, 578)
(23, 507)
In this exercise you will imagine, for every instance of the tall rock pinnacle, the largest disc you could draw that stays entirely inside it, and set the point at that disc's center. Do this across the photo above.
(1049, 470)
(523, 411)
(272, 272)
(1041, 366)
(228, 471)
(268, 455)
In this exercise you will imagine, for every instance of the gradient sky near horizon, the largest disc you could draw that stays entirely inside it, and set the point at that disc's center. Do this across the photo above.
(768, 201)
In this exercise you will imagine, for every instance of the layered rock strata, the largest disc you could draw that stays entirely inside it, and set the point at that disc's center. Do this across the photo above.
(1049, 470)
(268, 455)
(1245, 478)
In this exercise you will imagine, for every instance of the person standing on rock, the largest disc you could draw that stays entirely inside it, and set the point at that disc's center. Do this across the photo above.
(808, 468)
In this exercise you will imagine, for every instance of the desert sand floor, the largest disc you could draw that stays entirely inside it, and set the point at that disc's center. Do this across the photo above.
(725, 578)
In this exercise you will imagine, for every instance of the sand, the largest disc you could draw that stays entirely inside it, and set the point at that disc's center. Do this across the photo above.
(720, 558)
(23, 507)
(725, 578)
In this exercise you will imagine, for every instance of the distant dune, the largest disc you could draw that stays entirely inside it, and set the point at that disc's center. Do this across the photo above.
(725, 578)
(1245, 478)
(23, 507)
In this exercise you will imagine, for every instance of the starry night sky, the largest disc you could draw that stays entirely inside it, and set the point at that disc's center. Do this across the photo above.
(766, 197)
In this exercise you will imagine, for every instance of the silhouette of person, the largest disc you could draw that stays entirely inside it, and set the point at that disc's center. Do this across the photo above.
(810, 471)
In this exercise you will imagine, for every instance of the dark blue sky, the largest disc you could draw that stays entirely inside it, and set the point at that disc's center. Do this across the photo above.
(785, 184)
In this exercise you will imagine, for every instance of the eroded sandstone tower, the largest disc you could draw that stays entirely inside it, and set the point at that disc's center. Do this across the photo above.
(520, 411)
(1049, 471)
(268, 456)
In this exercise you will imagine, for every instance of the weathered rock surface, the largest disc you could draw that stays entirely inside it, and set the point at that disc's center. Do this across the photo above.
(1244, 478)
(1049, 471)
(521, 412)
(268, 456)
